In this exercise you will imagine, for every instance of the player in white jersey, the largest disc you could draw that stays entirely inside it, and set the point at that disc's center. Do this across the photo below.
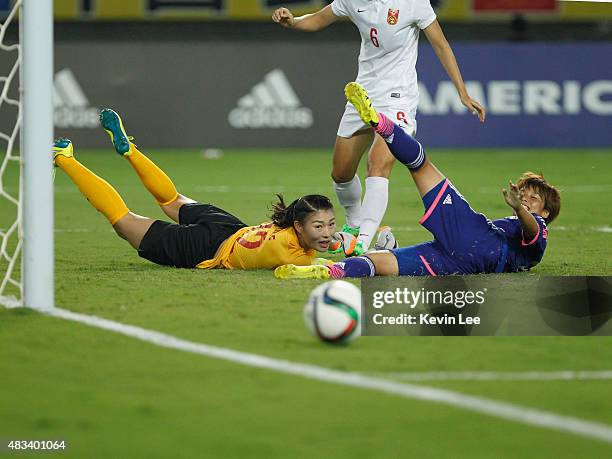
(389, 32)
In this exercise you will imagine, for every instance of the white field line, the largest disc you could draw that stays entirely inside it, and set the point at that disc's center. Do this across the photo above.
(503, 410)
(565, 375)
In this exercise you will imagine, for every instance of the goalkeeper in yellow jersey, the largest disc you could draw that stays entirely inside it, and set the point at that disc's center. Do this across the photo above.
(203, 236)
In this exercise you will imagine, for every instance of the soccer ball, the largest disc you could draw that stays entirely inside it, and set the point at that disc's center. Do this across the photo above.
(333, 312)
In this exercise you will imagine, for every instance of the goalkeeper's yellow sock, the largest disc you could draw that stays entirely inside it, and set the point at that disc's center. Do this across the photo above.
(152, 177)
(98, 191)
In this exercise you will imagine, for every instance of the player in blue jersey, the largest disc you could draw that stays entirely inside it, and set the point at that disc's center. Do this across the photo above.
(465, 241)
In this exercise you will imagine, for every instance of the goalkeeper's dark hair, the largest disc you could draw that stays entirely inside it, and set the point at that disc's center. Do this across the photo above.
(284, 215)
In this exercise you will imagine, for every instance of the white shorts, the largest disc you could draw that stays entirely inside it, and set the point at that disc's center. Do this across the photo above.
(352, 123)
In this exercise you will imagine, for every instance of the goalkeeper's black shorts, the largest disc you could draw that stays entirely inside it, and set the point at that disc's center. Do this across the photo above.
(200, 231)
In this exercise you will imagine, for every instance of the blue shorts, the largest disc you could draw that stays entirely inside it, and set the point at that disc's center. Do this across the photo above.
(465, 241)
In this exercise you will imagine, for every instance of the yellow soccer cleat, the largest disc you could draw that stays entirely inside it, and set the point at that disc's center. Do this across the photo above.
(302, 272)
(62, 147)
(357, 95)
(323, 262)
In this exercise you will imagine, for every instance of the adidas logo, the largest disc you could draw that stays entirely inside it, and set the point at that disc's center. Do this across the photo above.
(72, 109)
(271, 104)
(447, 199)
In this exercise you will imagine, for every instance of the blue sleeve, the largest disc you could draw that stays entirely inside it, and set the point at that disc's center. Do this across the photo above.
(538, 242)
(510, 226)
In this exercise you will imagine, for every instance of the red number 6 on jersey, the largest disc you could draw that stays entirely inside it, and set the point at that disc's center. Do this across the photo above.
(374, 37)
(401, 116)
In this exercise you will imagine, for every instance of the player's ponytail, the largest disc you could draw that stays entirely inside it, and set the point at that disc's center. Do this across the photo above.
(284, 215)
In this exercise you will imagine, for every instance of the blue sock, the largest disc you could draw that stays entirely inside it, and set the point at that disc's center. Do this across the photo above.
(404, 147)
(358, 267)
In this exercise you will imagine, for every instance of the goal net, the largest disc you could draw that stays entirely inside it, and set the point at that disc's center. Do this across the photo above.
(26, 133)
(11, 288)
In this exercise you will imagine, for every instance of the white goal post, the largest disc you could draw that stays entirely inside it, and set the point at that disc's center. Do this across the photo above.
(35, 120)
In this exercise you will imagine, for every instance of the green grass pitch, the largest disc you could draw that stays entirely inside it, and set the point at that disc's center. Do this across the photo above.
(112, 396)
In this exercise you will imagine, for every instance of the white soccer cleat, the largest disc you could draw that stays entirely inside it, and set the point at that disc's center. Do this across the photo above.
(386, 240)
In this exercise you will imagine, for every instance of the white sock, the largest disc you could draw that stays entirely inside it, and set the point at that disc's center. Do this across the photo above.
(349, 195)
(373, 208)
